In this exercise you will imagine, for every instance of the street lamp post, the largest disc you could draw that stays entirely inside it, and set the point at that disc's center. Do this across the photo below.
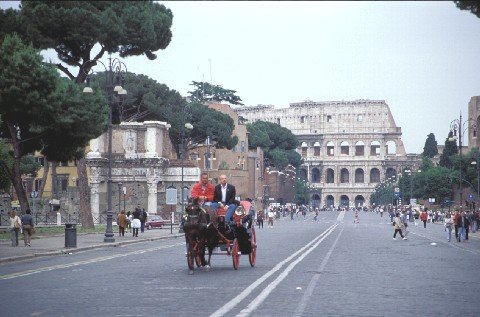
(115, 68)
(461, 127)
(188, 126)
(477, 164)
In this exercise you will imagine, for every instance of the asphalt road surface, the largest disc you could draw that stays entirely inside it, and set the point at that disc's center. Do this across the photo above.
(332, 267)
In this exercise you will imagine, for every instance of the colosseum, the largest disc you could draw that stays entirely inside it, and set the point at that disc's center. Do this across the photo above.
(348, 147)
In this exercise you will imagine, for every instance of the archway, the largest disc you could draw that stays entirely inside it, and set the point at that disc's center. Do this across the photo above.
(330, 176)
(316, 201)
(391, 147)
(329, 201)
(303, 174)
(344, 176)
(315, 175)
(359, 201)
(374, 175)
(344, 201)
(391, 173)
(359, 176)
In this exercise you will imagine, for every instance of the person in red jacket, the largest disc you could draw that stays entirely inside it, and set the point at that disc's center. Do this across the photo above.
(424, 217)
(203, 191)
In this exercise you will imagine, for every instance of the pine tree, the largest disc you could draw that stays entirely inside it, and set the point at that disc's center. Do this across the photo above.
(430, 149)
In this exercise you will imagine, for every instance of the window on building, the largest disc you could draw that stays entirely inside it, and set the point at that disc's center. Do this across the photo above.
(330, 148)
(304, 149)
(63, 184)
(38, 184)
(278, 120)
(359, 148)
(316, 151)
(40, 160)
(242, 146)
(344, 148)
(64, 163)
(302, 119)
(329, 118)
(375, 148)
(360, 118)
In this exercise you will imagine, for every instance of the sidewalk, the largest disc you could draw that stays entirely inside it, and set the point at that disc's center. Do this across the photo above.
(55, 245)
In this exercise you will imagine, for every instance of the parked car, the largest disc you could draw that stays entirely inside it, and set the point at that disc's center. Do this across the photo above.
(154, 221)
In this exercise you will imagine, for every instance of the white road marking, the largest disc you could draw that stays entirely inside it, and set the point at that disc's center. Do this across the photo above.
(246, 292)
(63, 266)
(270, 287)
(311, 286)
(452, 244)
(341, 215)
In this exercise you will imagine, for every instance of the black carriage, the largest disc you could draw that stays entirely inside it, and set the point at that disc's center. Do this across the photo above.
(207, 233)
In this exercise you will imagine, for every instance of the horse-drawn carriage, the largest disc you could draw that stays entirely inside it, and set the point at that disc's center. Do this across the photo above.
(206, 232)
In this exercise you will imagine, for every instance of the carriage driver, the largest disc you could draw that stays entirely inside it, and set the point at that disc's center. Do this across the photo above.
(224, 195)
(203, 191)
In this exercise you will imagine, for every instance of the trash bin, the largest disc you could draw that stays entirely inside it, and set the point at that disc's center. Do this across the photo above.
(70, 235)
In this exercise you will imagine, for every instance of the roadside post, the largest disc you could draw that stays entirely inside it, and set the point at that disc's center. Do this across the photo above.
(171, 199)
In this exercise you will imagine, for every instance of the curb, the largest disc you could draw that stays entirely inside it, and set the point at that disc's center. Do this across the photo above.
(91, 247)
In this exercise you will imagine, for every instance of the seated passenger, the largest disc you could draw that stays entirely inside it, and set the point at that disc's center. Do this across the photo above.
(224, 196)
(202, 192)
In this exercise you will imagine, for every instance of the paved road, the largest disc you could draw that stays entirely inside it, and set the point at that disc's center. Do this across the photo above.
(328, 268)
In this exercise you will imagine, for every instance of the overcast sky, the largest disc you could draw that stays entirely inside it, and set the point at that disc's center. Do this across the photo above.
(422, 58)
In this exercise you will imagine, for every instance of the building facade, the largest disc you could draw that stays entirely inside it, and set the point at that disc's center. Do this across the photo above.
(348, 147)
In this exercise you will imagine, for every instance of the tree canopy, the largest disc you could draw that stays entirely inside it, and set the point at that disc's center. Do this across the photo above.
(205, 92)
(430, 149)
(41, 111)
(72, 29)
(472, 6)
(449, 150)
(278, 143)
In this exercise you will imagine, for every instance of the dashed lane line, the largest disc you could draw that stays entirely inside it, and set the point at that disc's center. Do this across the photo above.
(313, 282)
(271, 287)
(246, 292)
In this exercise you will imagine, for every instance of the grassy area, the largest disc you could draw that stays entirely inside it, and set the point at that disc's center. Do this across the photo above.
(48, 231)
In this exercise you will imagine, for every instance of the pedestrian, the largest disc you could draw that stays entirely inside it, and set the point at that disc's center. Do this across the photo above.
(143, 219)
(456, 218)
(448, 226)
(122, 223)
(462, 224)
(260, 219)
(424, 217)
(404, 219)
(316, 215)
(136, 224)
(356, 219)
(27, 227)
(271, 215)
(129, 221)
(15, 225)
(397, 223)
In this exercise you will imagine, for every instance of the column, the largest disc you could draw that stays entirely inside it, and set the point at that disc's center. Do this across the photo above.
(95, 201)
(152, 184)
(151, 142)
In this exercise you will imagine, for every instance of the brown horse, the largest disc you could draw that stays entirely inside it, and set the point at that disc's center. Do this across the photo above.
(194, 228)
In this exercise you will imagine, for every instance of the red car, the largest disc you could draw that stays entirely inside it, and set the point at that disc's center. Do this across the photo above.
(154, 221)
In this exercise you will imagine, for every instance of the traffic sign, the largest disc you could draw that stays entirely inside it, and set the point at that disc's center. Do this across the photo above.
(471, 197)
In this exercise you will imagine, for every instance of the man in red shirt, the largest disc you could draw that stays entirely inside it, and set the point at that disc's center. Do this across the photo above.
(203, 191)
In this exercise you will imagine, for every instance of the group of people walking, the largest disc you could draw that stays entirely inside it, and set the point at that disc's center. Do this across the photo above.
(22, 225)
(131, 221)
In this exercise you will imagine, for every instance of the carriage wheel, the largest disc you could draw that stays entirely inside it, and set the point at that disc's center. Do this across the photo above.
(252, 257)
(235, 255)
(190, 260)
